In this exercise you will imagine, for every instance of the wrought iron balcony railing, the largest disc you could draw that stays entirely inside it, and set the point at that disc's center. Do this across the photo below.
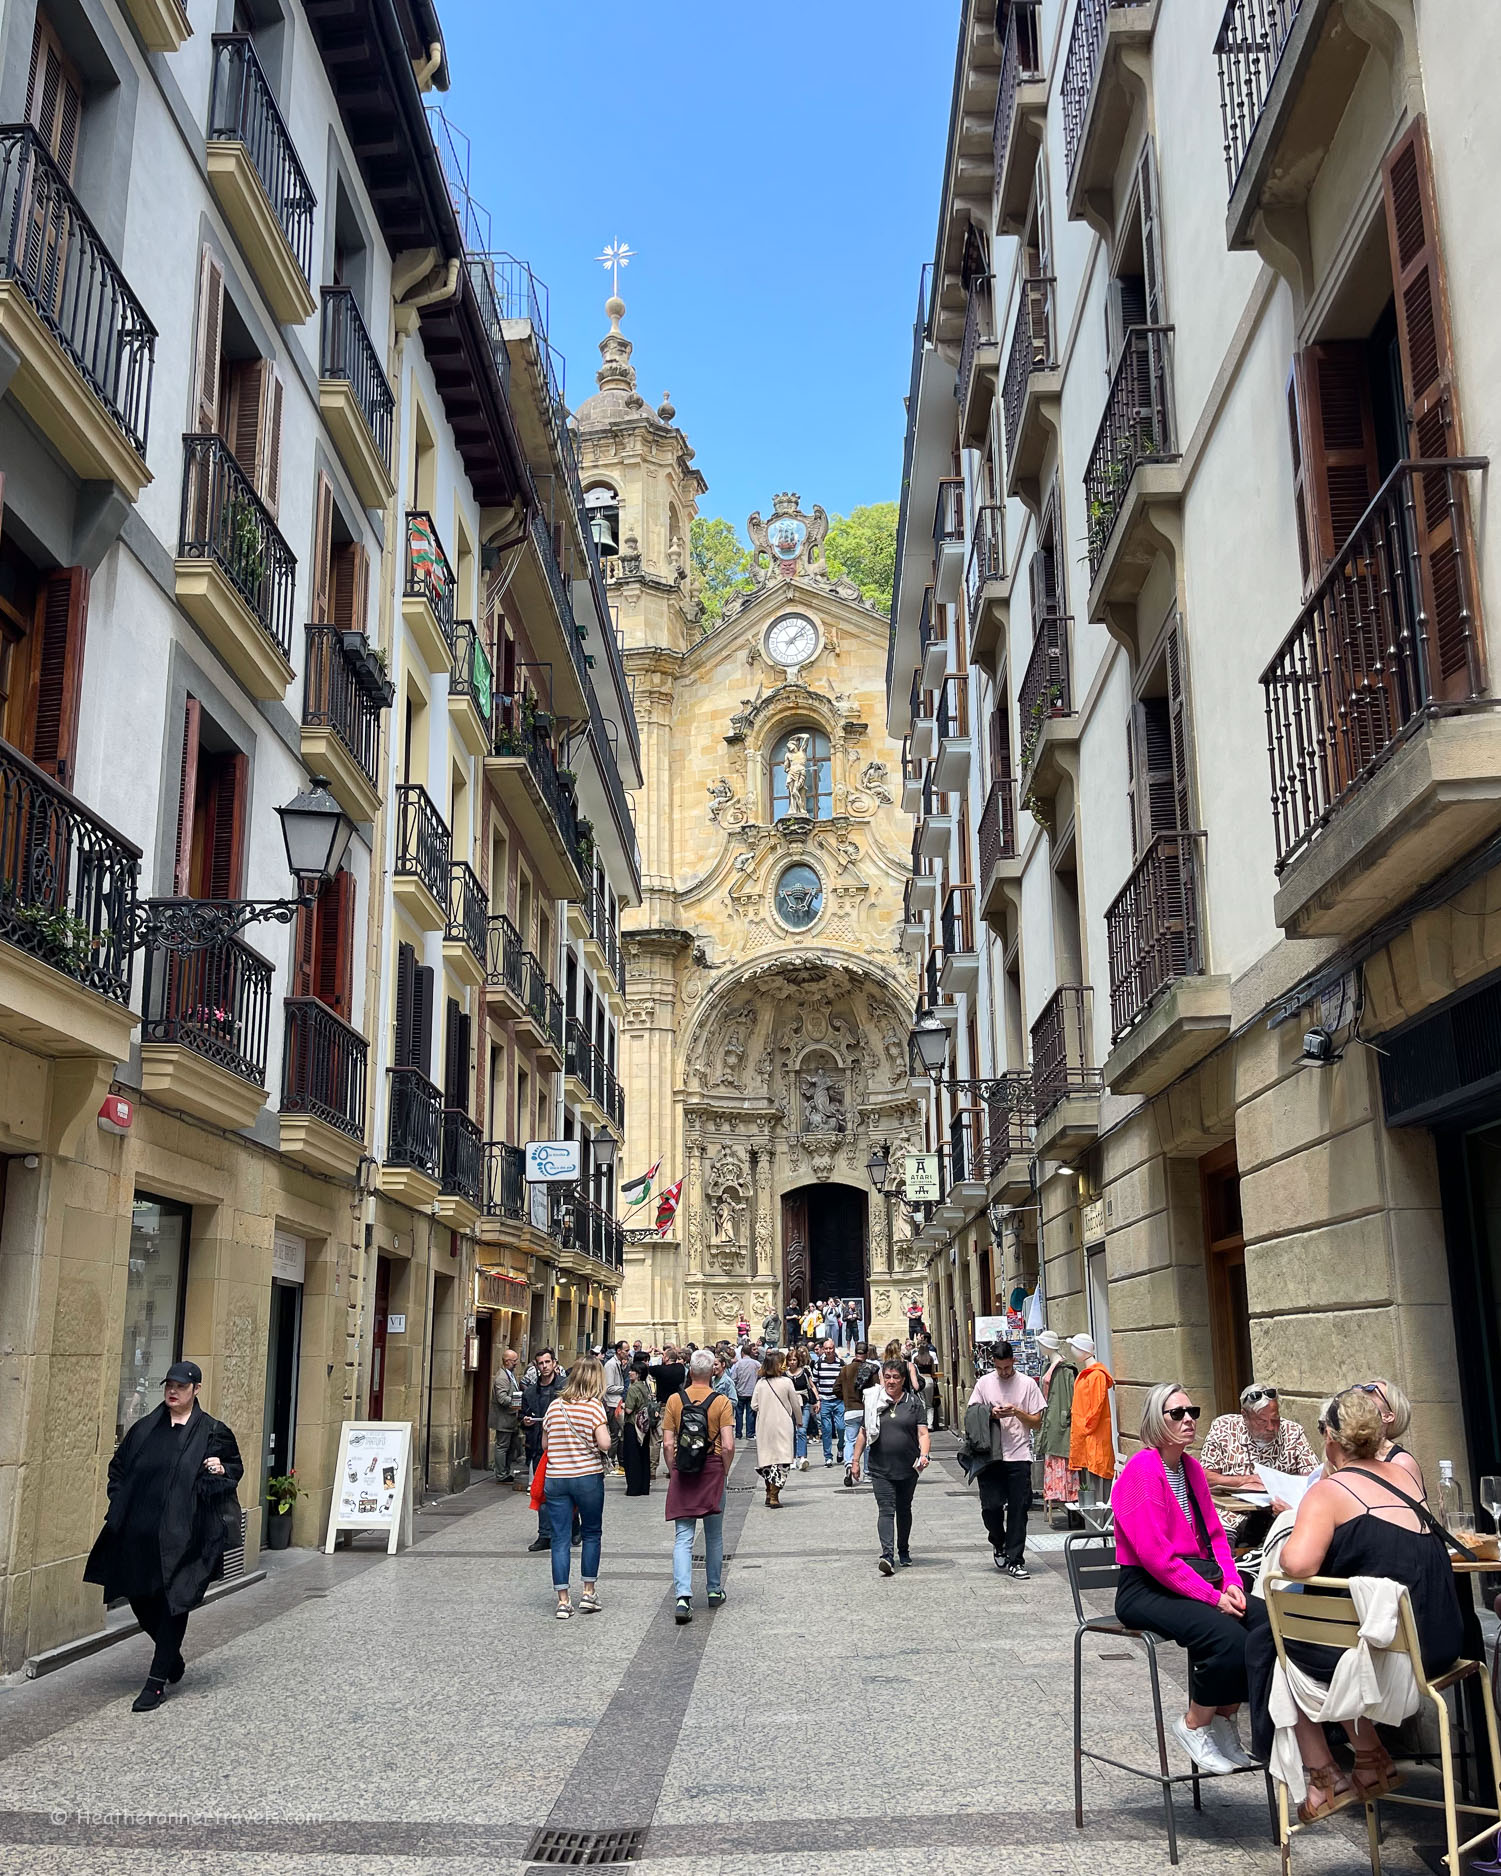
(605, 932)
(987, 553)
(1137, 428)
(348, 353)
(997, 836)
(323, 1067)
(468, 911)
(1079, 70)
(953, 707)
(578, 1054)
(505, 1181)
(224, 520)
(1033, 348)
(1154, 928)
(503, 966)
(215, 1001)
(958, 921)
(422, 840)
(68, 881)
(415, 1124)
(1021, 64)
(979, 329)
(543, 1004)
(562, 598)
(55, 255)
(1045, 689)
(517, 733)
(472, 676)
(429, 575)
(244, 111)
(1390, 635)
(1248, 49)
(1061, 1049)
(463, 1164)
(338, 694)
(593, 1231)
(948, 513)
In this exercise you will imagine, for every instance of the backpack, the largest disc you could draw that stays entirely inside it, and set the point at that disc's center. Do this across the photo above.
(693, 1435)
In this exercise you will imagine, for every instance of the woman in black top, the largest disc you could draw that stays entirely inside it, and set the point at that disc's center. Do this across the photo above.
(899, 1452)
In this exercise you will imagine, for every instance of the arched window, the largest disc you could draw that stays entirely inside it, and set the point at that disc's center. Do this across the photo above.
(802, 754)
(602, 513)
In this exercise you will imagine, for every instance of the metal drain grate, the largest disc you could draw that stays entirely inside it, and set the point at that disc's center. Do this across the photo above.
(579, 1849)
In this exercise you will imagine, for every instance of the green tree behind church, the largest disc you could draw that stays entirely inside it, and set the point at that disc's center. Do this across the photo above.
(721, 566)
(861, 546)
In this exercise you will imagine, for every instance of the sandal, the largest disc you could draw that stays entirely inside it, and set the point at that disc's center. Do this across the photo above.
(1330, 1798)
(1374, 1773)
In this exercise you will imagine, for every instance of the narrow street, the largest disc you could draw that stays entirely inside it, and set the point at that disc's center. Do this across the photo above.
(425, 1713)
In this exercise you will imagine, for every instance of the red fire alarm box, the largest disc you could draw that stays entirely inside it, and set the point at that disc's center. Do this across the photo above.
(116, 1114)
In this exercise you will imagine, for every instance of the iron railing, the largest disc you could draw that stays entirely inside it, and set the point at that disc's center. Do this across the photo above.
(462, 1172)
(544, 1006)
(561, 597)
(987, 553)
(1249, 49)
(428, 574)
(605, 932)
(505, 1181)
(422, 840)
(348, 353)
(1137, 428)
(214, 1000)
(948, 513)
(934, 800)
(931, 630)
(224, 520)
(415, 1124)
(491, 314)
(1033, 348)
(997, 1117)
(472, 676)
(56, 256)
(468, 911)
(323, 1067)
(1060, 1049)
(1045, 689)
(953, 707)
(919, 704)
(1021, 63)
(244, 111)
(578, 1056)
(979, 329)
(337, 695)
(997, 836)
(68, 881)
(597, 1234)
(504, 952)
(1079, 70)
(1154, 927)
(517, 733)
(958, 921)
(1390, 636)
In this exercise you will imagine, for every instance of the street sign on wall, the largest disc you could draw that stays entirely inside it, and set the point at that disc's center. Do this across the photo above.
(550, 1162)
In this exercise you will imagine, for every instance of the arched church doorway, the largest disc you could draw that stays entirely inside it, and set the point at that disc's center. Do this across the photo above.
(824, 1237)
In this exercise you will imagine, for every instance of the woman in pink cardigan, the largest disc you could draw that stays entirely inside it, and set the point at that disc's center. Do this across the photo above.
(1178, 1577)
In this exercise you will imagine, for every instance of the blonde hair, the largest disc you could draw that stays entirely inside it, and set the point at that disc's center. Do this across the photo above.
(893, 1351)
(1353, 1422)
(586, 1380)
(1154, 1415)
(1398, 1407)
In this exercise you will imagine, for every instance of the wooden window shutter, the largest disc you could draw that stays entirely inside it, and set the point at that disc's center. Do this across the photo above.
(333, 955)
(1152, 298)
(182, 869)
(1177, 706)
(1301, 493)
(1000, 743)
(57, 671)
(350, 588)
(1154, 792)
(1446, 568)
(245, 406)
(269, 484)
(305, 949)
(54, 97)
(209, 352)
(225, 855)
(406, 985)
(323, 549)
(1340, 467)
(422, 1020)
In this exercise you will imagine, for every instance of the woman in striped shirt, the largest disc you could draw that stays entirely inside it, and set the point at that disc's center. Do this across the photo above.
(576, 1440)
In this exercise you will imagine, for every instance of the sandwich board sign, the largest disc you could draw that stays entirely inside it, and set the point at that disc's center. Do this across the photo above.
(373, 1481)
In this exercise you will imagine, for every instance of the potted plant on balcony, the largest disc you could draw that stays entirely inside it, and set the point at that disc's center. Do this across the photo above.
(368, 663)
(282, 1493)
(584, 844)
(55, 935)
(245, 548)
(568, 781)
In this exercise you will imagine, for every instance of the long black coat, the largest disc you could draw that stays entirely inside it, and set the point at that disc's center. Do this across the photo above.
(199, 1515)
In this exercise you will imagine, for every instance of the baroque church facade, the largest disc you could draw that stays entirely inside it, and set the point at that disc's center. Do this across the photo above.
(768, 1005)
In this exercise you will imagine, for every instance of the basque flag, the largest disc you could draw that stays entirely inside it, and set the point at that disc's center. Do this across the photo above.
(666, 1207)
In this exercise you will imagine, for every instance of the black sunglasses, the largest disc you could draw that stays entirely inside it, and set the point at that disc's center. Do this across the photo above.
(1177, 1413)
(1258, 1396)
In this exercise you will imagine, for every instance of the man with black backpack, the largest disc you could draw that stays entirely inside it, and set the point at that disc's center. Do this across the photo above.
(863, 1372)
(698, 1443)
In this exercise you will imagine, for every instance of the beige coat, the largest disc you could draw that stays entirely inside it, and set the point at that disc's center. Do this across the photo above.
(779, 1412)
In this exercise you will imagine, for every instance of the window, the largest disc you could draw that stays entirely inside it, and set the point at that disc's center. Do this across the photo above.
(42, 624)
(413, 1045)
(155, 1286)
(1157, 750)
(211, 804)
(237, 394)
(456, 1057)
(602, 512)
(1045, 569)
(323, 953)
(1134, 296)
(802, 778)
(341, 567)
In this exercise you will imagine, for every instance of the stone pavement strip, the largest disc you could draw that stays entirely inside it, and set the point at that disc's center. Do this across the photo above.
(358, 1714)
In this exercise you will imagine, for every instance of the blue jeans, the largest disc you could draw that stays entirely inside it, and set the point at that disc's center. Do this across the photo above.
(745, 1419)
(852, 1425)
(561, 1499)
(800, 1433)
(682, 1553)
(831, 1425)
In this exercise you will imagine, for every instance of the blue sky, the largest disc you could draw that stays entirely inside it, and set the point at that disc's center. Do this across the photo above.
(778, 172)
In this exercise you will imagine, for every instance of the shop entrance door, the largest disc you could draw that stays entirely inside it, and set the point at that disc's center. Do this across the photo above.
(378, 1339)
(479, 1419)
(282, 1347)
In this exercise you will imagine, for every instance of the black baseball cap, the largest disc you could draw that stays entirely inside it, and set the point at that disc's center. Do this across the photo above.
(187, 1372)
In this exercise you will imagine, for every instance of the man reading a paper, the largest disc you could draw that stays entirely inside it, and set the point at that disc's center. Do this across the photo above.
(1237, 1444)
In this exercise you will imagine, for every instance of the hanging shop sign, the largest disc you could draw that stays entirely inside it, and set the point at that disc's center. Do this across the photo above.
(552, 1161)
(498, 1289)
(373, 1481)
(922, 1179)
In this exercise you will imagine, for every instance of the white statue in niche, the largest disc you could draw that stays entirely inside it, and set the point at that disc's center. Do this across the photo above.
(727, 1214)
(796, 766)
(823, 1102)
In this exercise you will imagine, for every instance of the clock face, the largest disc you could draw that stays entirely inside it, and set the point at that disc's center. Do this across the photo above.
(792, 640)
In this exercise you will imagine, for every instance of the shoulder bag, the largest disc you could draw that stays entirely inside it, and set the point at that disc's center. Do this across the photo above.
(1207, 1565)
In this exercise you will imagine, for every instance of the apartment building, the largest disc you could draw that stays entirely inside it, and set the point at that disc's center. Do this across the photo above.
(263, 485)
(1189, 649)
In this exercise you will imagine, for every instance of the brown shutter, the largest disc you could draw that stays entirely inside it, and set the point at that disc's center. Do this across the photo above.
(1340, 467)
(422, 1020)
(1302, 496)
(54, 97)
(1446, 568)
(305, 949)
(1000, 743)
(334, 944)
(208, 358)
(452, 1076)
(350, 588)
(57, 671)
(406, 979)
(226, 841)
(1151, 237)
(182, 870)
(323, 542)
(244, 415)
(269, 484)
(1177, 707)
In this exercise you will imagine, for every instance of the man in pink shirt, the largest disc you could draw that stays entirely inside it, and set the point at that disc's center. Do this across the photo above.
(1016, 1405)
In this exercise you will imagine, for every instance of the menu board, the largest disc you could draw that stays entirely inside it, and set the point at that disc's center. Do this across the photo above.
(373, 1481)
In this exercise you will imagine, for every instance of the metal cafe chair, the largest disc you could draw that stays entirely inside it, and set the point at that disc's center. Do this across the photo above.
(1330, 1619)
(1093, 1570)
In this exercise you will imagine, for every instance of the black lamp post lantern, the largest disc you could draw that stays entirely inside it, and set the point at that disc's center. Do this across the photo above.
(605, 1144)
(878, 1165)
(929, 1043)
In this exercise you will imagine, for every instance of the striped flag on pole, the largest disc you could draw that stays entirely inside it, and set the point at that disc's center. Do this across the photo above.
(637, 1191)
(666, 1208)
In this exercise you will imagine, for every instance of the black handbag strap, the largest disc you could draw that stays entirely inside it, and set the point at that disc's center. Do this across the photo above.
(1205, 1547)
(1414, 1504)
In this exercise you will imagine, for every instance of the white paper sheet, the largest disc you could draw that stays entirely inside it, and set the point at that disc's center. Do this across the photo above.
(1286, 1486)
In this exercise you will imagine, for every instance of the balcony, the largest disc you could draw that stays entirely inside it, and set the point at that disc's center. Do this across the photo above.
(912, 772)
(163, 25)
(1381, 776)
(261, 187)
(541, 1008)
(979, 364)
(461, 1179)
(1103, 76)
(955, 745)
(83, 346)
(1133, 487)
(356, 398)
(414, 1138)
(1006, 1102)
(1166, 1015)
(948, 541)
(960, 972)
(235, 575)
(67, 906)
(987, 588)
(601, 940)
(505, 980)
(923, 735)
(937, 997)
(1020, 110)
(344, 692)
(1045, 711)
(932, 646)
(466, 933)
(524, 773)
(544, 597)
(922, 888)
(427, 599)
(323, 1089)
(935, 831)
(1031, 391)
(914, 932)
(593, 1233)
(999, 859)
(471, 694)
(419, 878)
(504, 1190)
(583, 1080)
(1065, 1089)
(205, 1028)
(966, 1161)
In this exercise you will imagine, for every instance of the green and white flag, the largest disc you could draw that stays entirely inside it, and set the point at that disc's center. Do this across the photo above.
(637, 1191)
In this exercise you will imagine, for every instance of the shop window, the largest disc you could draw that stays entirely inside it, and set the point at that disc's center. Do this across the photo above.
(802, 776)
(211, 807)
(155, 1290)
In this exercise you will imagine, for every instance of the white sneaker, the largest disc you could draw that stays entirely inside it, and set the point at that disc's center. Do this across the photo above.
(802, 1465)
(1199, 1743)
(1223, 1732)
